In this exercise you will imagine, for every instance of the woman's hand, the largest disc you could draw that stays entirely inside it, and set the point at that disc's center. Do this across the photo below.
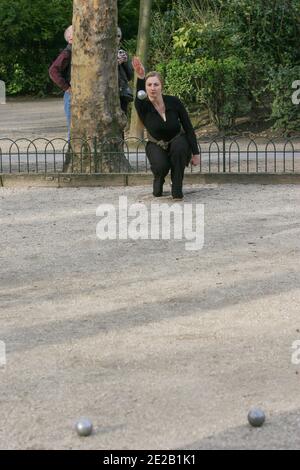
(195, 160)
(138, 67)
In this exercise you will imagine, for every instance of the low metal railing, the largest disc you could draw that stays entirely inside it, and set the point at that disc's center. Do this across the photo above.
(225, 155)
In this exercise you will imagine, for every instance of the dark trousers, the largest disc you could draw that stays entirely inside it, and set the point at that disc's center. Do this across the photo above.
(124, 107)
(175, 158)
(124, 104)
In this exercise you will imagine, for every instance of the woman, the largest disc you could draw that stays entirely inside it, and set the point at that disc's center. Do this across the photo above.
(168, 146)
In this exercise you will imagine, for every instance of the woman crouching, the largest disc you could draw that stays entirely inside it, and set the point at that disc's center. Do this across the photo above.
(172, 142)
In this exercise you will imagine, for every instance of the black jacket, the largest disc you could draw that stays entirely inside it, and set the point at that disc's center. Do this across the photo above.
(177, 118)
(125, 71)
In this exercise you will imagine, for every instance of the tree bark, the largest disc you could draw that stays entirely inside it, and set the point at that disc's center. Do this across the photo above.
(97, 120)
(136, 127)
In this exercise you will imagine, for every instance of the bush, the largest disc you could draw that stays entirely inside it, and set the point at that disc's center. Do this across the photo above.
(207, 39)
(285, 113)
(179, 79)
(218, 84)
(235, 46)
(161, 46)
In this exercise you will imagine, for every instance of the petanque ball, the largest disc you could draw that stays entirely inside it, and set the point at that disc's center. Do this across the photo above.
(84, 427)
(142, 95)
(256, 417)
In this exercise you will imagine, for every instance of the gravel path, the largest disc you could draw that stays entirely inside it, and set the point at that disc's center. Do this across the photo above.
(160, 347)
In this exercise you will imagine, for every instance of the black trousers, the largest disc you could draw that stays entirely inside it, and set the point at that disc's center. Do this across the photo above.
(124, 104)
(175, 158)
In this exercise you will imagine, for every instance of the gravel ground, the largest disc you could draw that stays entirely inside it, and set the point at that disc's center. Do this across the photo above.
(33, 119)
(162, 348)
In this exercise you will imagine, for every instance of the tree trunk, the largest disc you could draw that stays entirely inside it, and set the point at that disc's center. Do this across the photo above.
(136, 127)
(97, 120)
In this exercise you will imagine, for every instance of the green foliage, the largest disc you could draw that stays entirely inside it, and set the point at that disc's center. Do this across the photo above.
(285, 113)
(228, 53)
(129, 17)
(31, 34)
(218, 84)
(209, 39)
(161, 47)
(179, 79)
(267, 28)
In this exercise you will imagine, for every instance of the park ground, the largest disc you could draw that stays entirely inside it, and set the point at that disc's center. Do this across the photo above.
(32, 119)
(162, 348)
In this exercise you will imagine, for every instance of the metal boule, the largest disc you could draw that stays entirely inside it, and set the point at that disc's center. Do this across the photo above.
(142, 95)
(256, 417)
(84, 427)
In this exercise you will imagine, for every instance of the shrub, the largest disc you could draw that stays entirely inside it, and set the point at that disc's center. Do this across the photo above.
(218, 84)
(285, 113)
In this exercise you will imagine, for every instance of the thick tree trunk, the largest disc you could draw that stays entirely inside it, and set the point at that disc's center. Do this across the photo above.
(97, 120)
(136, 127)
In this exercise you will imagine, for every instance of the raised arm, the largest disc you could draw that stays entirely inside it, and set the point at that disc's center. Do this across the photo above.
(140, 105)
(138, 67)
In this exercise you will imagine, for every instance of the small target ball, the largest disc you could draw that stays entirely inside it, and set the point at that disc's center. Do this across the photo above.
(256, 417)
(84, 427)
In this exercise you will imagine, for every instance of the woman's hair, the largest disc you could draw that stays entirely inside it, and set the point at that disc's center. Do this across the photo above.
(67, 33)
(155, 74)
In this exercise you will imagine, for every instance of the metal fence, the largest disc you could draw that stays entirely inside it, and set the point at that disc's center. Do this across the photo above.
(225, 155)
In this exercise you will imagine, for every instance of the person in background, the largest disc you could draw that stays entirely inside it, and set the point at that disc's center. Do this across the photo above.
(172, 142)
(125, 74)
(60, 74)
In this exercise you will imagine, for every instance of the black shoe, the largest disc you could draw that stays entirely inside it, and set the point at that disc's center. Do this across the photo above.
(177, 194)
(158, 183)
